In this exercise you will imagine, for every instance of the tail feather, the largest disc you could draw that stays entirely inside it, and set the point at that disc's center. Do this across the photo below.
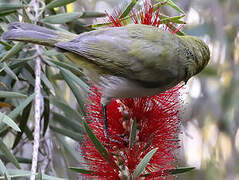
(35, 34)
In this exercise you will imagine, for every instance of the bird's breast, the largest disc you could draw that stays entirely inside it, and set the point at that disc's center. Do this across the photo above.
(120, 87)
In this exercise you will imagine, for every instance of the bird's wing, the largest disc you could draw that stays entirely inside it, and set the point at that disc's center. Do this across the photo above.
(136, 52)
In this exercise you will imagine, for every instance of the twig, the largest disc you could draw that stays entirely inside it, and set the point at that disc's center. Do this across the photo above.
(37, 114)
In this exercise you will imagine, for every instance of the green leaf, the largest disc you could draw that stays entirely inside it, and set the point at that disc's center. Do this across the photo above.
(70, 67)
(173, 19)
(22, 106)
(100, 148)
(9, 71)
(10, 6)
(77, 80)
(39, 176)
(5, 119)
(48, 83)
(180, 170)
(65, 132)
(82, 171)
(3, 169)
(15, 173)
(143, 163)
(19, 159)
(14, 50)
(58, 3)
(133, 132)
(5, 177)
(68, 122)
(8, 154)
(68, 17)
(68, 111)
(7, 46)
(46, 115)
(69, 148)
(7, 12)
(75, 90)
(173, 5)
(29, 133)
(8, 94)
(21, 62)
(23, 124)
(89, 14)
(128, 9)
(62, 18)
(26, 18)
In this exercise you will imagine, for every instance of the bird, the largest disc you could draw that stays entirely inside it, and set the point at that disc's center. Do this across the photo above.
(123, 62)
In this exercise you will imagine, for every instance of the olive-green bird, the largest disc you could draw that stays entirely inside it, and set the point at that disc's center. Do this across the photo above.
(130, 61)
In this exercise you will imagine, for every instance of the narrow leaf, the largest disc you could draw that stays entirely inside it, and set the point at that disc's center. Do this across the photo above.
(173, 19)
(101, 149)
(77, 80)
(7, 12)
(19, 159)
(6, 177)
(143, 163)
(8, 154)
(68, 17)
(10, 6)
(2, 167)
(39, 176)
(133, 133)
(7, 46)
(70, 67)
(21, 61)
(46, 115)
(74, 89)
(48, 84)
(14, 173)
(180, 170)
(10, 94)
(128, 9)
(58, 3)
(5, 119)
(173, 5)
(89, 14)
(62, 18)
(9, 71)
(69, 148)
(68, 111)
(82, 171)
(20, 108)
(23, 124)
(29, 133)
(65, 132)
(26, 18)
(14, 50)
(67, 122)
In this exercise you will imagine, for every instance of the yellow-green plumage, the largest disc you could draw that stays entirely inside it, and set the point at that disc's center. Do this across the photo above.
(129, 61)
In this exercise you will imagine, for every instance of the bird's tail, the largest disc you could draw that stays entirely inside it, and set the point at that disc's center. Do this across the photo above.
(18, 31)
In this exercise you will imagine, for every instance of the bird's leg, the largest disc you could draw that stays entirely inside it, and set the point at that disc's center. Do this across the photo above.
(106, 130)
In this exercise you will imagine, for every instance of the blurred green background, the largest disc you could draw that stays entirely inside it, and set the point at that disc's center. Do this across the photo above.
(210, 114)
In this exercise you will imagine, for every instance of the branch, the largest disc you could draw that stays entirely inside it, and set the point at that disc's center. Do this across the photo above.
(37, 113)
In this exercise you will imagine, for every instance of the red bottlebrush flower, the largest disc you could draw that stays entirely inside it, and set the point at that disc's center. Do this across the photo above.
(158, 123)
(157, 120)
